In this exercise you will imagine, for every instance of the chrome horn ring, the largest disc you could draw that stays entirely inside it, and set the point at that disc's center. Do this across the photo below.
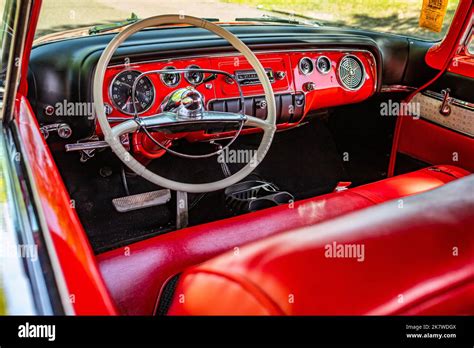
(184, 113)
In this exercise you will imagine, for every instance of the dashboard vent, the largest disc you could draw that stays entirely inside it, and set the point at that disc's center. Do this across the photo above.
(351, 72)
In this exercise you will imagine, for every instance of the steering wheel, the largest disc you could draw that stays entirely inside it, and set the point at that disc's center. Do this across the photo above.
(168, 120)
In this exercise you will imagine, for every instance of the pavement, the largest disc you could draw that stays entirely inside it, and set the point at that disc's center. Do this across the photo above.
(61, 15)
(198, 8)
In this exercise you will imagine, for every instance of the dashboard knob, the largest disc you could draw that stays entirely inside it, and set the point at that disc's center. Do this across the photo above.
(261, 104)
(280, 75)
(45, 132)
(309, 86)
(64, 131)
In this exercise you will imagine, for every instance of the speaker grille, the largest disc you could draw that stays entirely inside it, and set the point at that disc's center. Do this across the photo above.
(351, 72)
(306, 66)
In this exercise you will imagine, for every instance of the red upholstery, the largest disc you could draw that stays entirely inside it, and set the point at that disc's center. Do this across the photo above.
(416, 260)
(135, 275)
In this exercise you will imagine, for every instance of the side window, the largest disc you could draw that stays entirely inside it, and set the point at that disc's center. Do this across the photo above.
(7, 8)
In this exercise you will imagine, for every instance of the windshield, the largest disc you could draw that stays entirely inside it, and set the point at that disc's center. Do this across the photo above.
(394, 16)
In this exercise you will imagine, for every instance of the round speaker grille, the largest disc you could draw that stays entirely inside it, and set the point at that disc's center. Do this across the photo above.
(351, 72)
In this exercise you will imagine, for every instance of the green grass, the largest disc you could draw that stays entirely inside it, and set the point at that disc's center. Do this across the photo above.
(396, 16)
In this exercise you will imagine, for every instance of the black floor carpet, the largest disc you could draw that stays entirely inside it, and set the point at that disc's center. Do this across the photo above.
(303, 161)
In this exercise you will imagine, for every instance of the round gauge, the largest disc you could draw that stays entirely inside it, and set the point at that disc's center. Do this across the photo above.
(120, 92)
(194, 77)
(170, 79)
(323, 64)
(306, 66)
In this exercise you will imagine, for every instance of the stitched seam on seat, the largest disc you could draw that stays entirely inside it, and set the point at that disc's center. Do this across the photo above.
(248, 286)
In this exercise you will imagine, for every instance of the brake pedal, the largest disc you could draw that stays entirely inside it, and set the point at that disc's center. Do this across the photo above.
(141, 200)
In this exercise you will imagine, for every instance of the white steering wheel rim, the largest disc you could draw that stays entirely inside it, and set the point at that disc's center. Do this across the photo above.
(112, 137)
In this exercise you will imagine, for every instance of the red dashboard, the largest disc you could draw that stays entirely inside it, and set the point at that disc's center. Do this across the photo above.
(302, 81)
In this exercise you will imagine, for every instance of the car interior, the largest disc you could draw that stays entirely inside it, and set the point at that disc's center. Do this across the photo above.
(215, 233)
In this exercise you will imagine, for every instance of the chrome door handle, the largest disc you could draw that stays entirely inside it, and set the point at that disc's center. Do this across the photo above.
(445, 108)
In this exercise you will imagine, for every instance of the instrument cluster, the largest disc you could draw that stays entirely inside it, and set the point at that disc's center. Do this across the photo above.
(319, 78)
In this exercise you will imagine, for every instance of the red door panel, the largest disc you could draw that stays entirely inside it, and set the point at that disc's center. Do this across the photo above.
(86, 289)
(436, 145)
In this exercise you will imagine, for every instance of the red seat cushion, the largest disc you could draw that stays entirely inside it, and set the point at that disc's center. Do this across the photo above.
(415, 258)
(136, 274)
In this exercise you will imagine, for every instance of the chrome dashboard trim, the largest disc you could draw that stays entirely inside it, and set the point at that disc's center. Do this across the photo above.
(233, 54)
(397, 88)
(98, 144)
(254, 95)
(373, 62)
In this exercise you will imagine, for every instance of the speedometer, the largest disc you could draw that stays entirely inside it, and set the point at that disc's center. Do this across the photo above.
(121, 92)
